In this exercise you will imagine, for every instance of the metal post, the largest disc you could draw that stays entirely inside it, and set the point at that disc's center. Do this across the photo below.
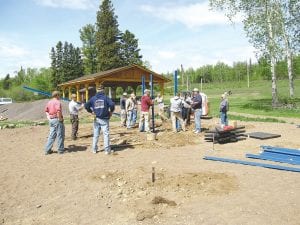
(175, 91)
(175, 82)
(152, 97)
(143, 84)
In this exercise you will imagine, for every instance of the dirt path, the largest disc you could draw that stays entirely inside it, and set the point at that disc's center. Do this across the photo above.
(82, 188)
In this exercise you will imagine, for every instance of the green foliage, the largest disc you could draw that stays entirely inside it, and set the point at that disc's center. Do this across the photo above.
(256, 119)
(88, 38)
(130, 51)
(107, 38)
(66, 63)
(6, 84)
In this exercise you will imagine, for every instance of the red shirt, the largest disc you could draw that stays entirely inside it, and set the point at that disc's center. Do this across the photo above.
(146, 102)
(53, 107)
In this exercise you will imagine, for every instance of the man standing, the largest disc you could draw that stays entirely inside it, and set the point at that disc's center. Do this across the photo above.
(123, 114)
(74, 108)
(197, 107)
(224, 107)
(130, 105)
(160, 101)
(146, 102)
(102, 107)
(176, 107)
(56, 122)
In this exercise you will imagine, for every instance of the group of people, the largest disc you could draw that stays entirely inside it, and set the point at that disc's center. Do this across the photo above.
(182, 106)
(102, 107)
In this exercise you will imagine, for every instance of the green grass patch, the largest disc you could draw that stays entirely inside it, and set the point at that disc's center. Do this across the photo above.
(255, 119)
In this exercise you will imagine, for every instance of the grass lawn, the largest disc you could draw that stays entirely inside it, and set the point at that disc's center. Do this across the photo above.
(254, 100)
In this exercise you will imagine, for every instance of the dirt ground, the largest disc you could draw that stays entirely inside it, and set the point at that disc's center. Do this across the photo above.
(83, 188)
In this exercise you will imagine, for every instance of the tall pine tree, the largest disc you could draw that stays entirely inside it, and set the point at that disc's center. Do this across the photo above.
(88, 38)
(66, 63)
(130, 49)
(107, 38)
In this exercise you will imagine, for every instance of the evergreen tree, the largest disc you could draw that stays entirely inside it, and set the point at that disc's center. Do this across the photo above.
(66, 63)
(7, 82)
(107, 38)
(88, 38)
(130, 50)
(54, 80)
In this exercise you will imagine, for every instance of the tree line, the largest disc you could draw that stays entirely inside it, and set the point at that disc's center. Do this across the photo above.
(273, 27)
(239, 71)
(104, 47)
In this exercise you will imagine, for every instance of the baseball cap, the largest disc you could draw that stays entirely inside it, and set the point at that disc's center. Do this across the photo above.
(100, 88)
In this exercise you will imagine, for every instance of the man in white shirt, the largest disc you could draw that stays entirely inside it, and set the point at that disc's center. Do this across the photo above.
(74, 108)
(176, 107)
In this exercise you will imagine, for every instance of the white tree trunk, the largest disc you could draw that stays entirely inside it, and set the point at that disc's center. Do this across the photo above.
(271, 46)
(289, 57)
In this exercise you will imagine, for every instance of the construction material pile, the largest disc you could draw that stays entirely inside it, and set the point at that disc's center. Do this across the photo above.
(226, 134)
(278, 154)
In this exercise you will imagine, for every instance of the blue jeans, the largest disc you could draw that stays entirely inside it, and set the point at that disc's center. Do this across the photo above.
(57, 129)
(224, 118)
(129, 119)
(197, 115)
(101, 124)
(134, 117)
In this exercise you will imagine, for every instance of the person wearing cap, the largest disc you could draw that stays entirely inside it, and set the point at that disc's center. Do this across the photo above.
(197, 108)
(102, 108)
(130, 106)
(123, 113)
(54, 114)
(74, 108)
(146, 102)
(224, 107)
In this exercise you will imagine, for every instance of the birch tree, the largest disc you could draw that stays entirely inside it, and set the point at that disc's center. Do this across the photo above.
(265, 24)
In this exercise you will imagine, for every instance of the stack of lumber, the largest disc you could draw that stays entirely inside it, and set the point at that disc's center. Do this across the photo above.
(222, 136)
(277, 154)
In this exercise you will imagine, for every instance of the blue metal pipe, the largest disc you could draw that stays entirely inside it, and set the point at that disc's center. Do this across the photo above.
(274, 159)
(152, 97)
(48, 94)
(286, 152)
(289, 151)
(143, 84)
(281, 156)
(175, 82)
(270, 166)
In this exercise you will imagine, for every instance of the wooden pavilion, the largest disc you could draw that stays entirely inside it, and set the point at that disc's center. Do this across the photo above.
(123, 77)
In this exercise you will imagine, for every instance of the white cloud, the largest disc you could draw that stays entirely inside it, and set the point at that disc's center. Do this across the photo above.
(69, 4)
(165, 54)
(9, 49)
(195, 57)
(14, 55)
(192, 16)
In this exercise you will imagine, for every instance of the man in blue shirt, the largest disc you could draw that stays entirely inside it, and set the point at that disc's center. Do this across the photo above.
(102, 107)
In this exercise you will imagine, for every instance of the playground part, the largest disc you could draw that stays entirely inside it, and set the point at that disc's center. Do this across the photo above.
(270, 166)
(263, 135)
(274, 158)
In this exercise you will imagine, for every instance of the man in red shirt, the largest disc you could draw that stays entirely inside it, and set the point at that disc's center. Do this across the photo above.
(146, 102)
(56, 122)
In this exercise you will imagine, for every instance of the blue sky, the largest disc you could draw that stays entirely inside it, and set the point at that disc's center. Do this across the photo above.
(170, 32)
